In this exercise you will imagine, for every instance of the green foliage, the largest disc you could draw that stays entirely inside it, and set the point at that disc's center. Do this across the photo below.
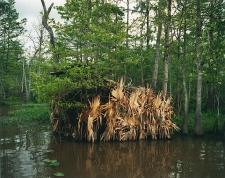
(11, 101)
(28, 114)
(75, 78)
(93, 42)
(211, 123)
(93, 34)
(10, 49)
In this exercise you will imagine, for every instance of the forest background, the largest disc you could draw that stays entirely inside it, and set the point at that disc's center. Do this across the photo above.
(176, 47)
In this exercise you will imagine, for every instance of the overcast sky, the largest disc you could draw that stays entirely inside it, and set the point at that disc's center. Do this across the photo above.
(30, 9)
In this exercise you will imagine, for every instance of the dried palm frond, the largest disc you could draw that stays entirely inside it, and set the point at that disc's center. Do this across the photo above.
(143, 135)
(152, 127)
(128, 115)
(109, 133)
(157, 102)
(94, 105)
(149, 95)
(134, 103)
(125, 101)
(94, 110)
(142, 100)
(108, 109)
(88, 116)
(90, 133)
(83, 117)
(167, 106)
(117, 91)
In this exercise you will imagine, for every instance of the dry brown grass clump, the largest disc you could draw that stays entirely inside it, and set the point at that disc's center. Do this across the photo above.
(129, 115)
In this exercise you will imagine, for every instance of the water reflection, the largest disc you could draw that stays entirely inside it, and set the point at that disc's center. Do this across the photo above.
(23, 150)
(126, 159)
(180, 157)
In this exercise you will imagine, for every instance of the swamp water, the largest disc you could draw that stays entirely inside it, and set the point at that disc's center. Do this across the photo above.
(23, 149)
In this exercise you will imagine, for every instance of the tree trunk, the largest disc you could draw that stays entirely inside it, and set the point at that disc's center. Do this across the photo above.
(198, 120)
(211, 60)
(49, 29)
(21, 92)
(141, 54)
(166, 50)
(147, 23)
(24, 82)
(184, 66)
(40, 50)
(157, 50)
(127, 34)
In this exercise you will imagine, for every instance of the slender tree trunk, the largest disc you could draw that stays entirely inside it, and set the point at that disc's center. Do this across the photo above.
(157, 50)
(211, 61)
(40, 50)
(198, 120)
(142, 71)
(147, 23)
(22, 87)
(2, 90)
(177, 97)
(218, 113)
(184, 66)
(141, 54)
(4, 63)
(127, 34)
(24, 81)
(166, 50)
(28, 87)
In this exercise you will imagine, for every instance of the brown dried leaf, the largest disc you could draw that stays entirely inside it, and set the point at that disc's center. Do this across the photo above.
(157, 102)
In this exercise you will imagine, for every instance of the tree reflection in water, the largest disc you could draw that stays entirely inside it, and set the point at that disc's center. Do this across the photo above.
(23, 150)
(180, 157)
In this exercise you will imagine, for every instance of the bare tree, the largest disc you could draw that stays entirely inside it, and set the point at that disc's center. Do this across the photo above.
(49, 29)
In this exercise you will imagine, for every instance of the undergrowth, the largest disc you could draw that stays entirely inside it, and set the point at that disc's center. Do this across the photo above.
(211, 123)
(28, 114)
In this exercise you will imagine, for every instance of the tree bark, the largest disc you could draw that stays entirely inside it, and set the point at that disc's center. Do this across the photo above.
(185, 117)
(211, 60)
(127, 34)
(49, 29)
(147, 23)
(166, 50)
(157, 50)
(141, 54)
(198, 120)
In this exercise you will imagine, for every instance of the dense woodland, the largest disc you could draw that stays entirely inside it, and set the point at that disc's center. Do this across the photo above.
(174, 47)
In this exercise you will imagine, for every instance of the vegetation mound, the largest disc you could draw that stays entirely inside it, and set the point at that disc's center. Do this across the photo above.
(130, 113)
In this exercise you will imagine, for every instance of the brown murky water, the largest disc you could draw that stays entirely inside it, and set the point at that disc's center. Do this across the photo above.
(23, 149)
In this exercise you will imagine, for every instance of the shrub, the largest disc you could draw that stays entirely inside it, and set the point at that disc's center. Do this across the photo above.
(28, 114)
(211, 123)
